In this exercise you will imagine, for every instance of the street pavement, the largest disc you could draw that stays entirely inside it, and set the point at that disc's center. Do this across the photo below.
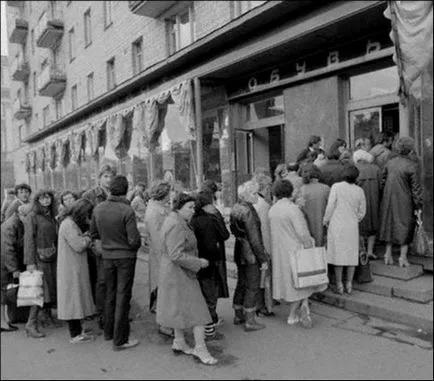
(341, 345)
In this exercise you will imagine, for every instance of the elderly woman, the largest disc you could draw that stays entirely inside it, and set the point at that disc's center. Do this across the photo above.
(370, 181)
(156, 212)
(12, 258)
(181, 304)
(346, 207)
(289, 234)
(262, 207)
(315, 196)
(74, 293)
(402, 197)
(250, 256)
(40, 253)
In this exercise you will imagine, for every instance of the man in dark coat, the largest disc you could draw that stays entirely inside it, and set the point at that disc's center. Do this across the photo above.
(114, 223)
(97, 195)
(313, 145)
(211, 233)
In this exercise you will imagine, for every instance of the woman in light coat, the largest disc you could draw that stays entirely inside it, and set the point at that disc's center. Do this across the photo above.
(74, 293)
(156, 212)
(346, 207)
(181, 304)
(289, 234)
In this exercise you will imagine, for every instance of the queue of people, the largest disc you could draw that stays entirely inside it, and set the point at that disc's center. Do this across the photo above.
(87, 249)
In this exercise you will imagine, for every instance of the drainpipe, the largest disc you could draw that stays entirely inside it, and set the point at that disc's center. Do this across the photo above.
(199, 131)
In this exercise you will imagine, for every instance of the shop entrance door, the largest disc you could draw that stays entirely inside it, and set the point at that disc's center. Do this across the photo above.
(260, 148)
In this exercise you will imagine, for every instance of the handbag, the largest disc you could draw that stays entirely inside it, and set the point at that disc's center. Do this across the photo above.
(47, 254)
(420, 239)
(363, 273)
(31, 289)
(310, 268)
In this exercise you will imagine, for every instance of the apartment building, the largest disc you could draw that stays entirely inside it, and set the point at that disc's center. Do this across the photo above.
(7, 137)
(187, 90)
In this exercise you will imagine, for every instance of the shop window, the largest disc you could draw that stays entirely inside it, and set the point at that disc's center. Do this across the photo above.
(181, 30)
(175, 158)
(374, 83)
(266, 108)
(211, 149)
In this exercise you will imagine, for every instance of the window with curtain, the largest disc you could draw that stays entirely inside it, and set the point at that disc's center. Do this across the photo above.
(181, 30)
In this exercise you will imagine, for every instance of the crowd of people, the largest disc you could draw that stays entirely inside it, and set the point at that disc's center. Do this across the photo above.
(86, 244)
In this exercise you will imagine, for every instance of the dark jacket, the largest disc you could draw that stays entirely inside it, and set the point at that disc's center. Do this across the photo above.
(211, 234)
(12, 248)
(40, 233)
(401, 197)
(114, 223)
(245, 225)
(331, 172)
(95, 195)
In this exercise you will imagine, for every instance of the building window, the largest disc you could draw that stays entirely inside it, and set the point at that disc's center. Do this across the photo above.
(74, 97)
(71, 39)
(374, 83)
(32, 41)
(90, 94)
(87, 28)
(58, 108)
(46, 116)
(3, 110)
(20, 133)
(137, 50)
(111, 78)
(107, 13)
(241, 7)
(34, 84)
(181, 30)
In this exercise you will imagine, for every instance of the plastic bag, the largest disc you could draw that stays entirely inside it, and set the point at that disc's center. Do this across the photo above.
(420, 239)
(31, 289)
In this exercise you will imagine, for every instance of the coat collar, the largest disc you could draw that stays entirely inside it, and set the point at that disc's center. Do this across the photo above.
(122, 199)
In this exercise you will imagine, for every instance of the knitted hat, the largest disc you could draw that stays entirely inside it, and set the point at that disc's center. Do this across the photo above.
(119, 186)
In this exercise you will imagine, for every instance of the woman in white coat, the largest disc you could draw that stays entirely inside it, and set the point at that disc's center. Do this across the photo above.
(74, 293)
(346, 207)
(289, 234)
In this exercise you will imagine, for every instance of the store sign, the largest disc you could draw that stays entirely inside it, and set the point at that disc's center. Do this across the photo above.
(314, 62)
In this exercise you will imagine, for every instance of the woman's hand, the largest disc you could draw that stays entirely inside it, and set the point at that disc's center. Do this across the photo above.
(308, 243)
(264, 266)
(204, 262)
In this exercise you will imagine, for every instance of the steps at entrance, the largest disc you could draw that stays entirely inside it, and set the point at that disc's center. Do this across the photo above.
(393, 309)
(394, 271)
(417, 290)
(425, 262)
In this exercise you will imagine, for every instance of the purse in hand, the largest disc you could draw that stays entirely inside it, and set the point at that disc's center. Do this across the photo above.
(363, 273)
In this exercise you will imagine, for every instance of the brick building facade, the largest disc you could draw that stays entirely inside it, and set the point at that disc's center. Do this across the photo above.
(217, 88)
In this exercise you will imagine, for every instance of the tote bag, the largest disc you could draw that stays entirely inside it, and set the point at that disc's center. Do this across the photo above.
(310, 268)
(30, 290)
(420, 239)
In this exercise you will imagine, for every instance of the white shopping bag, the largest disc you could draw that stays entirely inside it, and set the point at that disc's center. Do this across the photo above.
(31, 289)
(310, 268)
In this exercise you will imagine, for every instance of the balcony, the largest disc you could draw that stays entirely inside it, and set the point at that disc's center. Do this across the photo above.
(49, 31)
(150, 8)
(22, 110)
(15, 3)
(52, 81)
(20, 29)
(20, 69)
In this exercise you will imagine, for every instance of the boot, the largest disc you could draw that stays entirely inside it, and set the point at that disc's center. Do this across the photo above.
(251, 324)
(239, 317)
(32, 324)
